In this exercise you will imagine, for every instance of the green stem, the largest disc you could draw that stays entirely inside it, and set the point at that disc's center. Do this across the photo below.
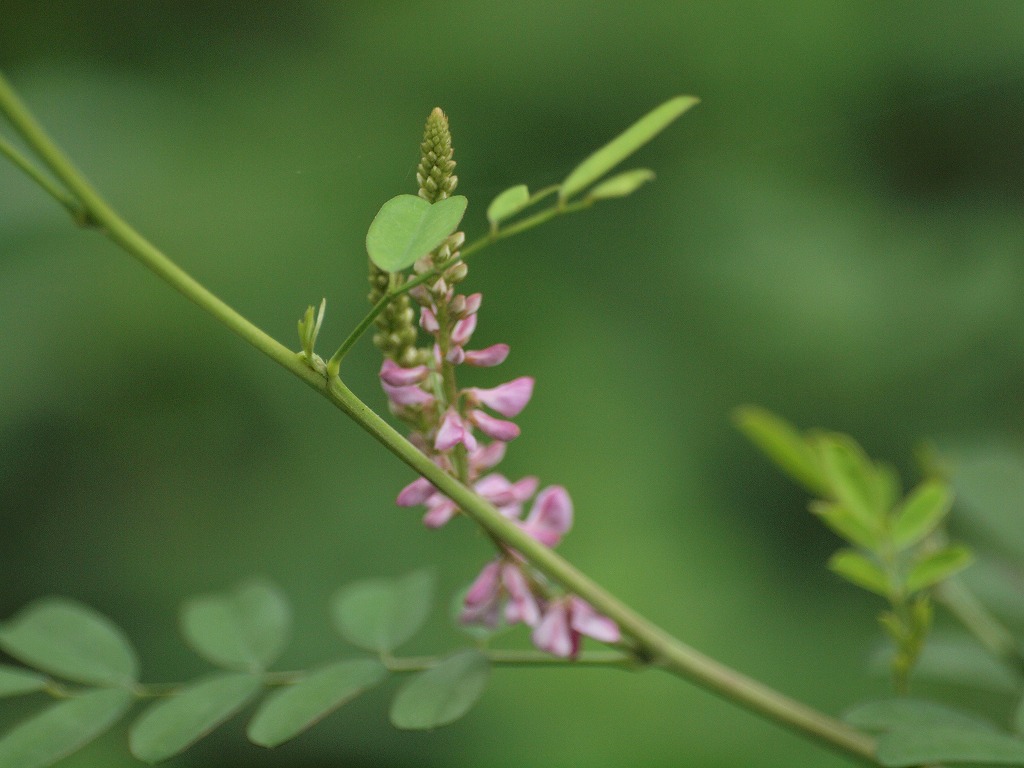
(653, 642)
(976, 618)
(52, 189)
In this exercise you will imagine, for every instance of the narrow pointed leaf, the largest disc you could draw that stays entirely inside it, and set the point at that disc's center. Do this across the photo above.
(508, 204)
(842, 521)
(288, 712)
(408, 227)
(170, 726)
(852, 478)
(244, 629)
(381, 614)
(781, 443)
(858, 569)
(15, 681)
(62, 729)
(948, 743)
(624, 145)
(443, 694)
(70, 640)
(621, 184)
(938, 566)
(920, 513)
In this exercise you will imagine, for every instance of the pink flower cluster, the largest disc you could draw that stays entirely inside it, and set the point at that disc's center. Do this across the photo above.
(444, 419)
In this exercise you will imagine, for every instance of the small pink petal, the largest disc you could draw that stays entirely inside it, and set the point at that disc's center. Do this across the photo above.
(487, 456)
(551, 516)
(411, 395)
(553, 634)
(428, 321)
(397, 376)
(507, 399)
(416, 492)
(496, 428)
(455, 355)
(463, 330)
(453, 431)
(485, 587)
(440, 513)
(494, 487)
(473, 302)
(585, 620)
(487, 357)
(522, 605)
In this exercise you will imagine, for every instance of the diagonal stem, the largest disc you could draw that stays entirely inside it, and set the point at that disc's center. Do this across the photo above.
(654, 643)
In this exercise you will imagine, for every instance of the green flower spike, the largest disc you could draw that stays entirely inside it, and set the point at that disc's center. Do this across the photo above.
(434, 173)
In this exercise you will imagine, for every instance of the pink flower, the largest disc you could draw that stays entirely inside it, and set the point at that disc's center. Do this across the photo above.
(454, 430)
(507, 399)
(428, 321)
(463, 330)
(496, 428)
(410, 395)
(565, 621)
(500, 587)
(397, 376)
(550, 517)
(416, 492)
(487, 357)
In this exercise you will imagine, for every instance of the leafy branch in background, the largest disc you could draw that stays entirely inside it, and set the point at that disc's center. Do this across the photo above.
(897, 548)
(80, 658)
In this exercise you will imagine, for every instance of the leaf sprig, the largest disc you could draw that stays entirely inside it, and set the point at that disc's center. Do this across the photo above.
(897, 548)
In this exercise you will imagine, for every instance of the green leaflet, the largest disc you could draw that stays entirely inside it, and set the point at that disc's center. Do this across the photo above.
(62, 729)
(244, 629)
(172, 725)
(70, 640)
(408, 227)
(381, 614)
(508, 204)
(624, 145)
(288, 712)
(443, 694)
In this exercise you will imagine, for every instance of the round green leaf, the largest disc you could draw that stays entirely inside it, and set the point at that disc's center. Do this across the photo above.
(15, 681)
(62, 729)
(288, 712)
(244, 629)
(624, 145)
(381, 614)
(507, 204)
(945, 743)
(72, 641)
(170, 726)
(621, 184)
(408, 227)
(443, 694)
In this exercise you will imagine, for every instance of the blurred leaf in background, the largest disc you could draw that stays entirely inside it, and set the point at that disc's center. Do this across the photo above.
(835, 233)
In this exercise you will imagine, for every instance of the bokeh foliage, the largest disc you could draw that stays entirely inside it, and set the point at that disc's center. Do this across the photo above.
(834, 233)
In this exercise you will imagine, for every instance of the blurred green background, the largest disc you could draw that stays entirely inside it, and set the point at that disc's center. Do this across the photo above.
(835, 233)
